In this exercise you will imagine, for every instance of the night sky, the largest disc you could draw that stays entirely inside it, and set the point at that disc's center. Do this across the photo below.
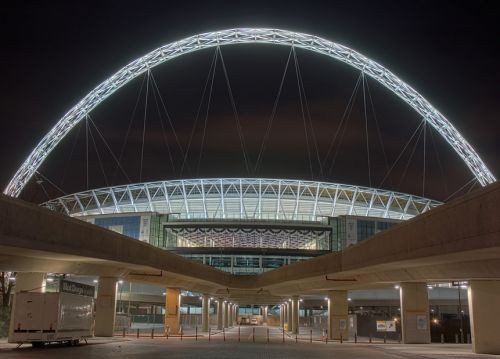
(54, 54)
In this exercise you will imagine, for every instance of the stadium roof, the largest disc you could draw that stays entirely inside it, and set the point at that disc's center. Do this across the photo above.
(244, 198)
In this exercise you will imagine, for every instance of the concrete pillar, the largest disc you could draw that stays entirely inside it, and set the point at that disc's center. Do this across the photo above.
(264, 315)
(226, 314)
(173, 310)
(295, 315)
(415, 313)
(337, 315)
(282, 315)
(220, 309)
(289, 315)
(105, 307)
(230, 312)
(484, 297)
(31, 282)
(205, 312)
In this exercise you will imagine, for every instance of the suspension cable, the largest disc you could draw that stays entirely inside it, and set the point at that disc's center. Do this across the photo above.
(402, 151)
(212, 64)
(70, 155)
(303, 114)
(209, 102)
(458, 190)
(273, 115)
(439, 162)
(423, 172)
(170, 122)
(52, 183)
(343, 125)
(40, 182)
(165, 139)
(411, 156)
(122, 150)
(87, 147)
(144, 124)
(98, 157)
(236, 117)
(366, 129)
(342, 119)
(308, 113)
(108, 147)
(379, 133)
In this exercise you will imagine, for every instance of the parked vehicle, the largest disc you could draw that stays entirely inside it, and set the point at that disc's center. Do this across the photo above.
(39, 318)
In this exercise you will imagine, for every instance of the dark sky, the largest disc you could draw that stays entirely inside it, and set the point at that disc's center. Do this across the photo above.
(55, 53)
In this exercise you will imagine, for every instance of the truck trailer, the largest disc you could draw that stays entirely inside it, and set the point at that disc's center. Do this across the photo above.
(40, 318)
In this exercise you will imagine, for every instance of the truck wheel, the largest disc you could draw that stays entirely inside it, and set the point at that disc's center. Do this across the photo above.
(38, 344)
(76, 342)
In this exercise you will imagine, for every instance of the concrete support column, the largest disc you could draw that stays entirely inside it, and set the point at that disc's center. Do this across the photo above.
(205, 312)
(295, 315)
(230, 311)
(415, 313)
(264, 314)
(173, 310)
(484, 297)
(337, 315)
(289, 315)
(226, 314)
(282, 315)
(105, 305)
(220, 309)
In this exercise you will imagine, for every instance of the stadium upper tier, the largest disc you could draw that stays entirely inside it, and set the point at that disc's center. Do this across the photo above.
(244, 198)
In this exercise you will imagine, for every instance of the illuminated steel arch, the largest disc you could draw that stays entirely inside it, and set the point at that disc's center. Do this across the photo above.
(246, 36)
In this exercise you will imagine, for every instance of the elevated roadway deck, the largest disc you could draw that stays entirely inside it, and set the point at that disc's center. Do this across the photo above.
(459, 240)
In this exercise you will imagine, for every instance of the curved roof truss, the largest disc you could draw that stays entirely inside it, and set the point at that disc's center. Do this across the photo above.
(244, 198)
(245, 36)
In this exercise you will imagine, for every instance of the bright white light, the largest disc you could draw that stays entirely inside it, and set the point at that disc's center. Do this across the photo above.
(50, 280)
(349, 299)
(267, 191)
(326, 298)
(301, 300)
(12, 279)
(120, 281)
(463, 286)
(164, 293)
(95, 281)
(430, 287)
(246, 36)
(396, 286)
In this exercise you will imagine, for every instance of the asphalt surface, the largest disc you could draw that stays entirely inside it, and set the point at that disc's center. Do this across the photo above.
(246, 347)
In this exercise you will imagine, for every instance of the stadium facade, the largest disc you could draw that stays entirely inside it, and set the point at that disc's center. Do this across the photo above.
(246, 226)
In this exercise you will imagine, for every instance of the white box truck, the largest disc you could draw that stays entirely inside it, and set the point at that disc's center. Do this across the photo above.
(39, 318)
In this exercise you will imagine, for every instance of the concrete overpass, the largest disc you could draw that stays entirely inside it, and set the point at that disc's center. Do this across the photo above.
(456, 241)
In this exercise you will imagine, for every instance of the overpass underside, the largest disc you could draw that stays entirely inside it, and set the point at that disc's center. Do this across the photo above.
(456, 241)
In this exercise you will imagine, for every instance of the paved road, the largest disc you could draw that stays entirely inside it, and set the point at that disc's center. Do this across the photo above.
(189, 348)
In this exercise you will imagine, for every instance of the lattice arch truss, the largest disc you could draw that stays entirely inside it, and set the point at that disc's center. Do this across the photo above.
(244, 198)
(245, 36)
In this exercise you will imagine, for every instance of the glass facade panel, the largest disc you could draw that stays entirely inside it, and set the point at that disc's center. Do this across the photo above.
(128, 226)
(223, 262)
(248, 262)
(365, 229)
(273, 262)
